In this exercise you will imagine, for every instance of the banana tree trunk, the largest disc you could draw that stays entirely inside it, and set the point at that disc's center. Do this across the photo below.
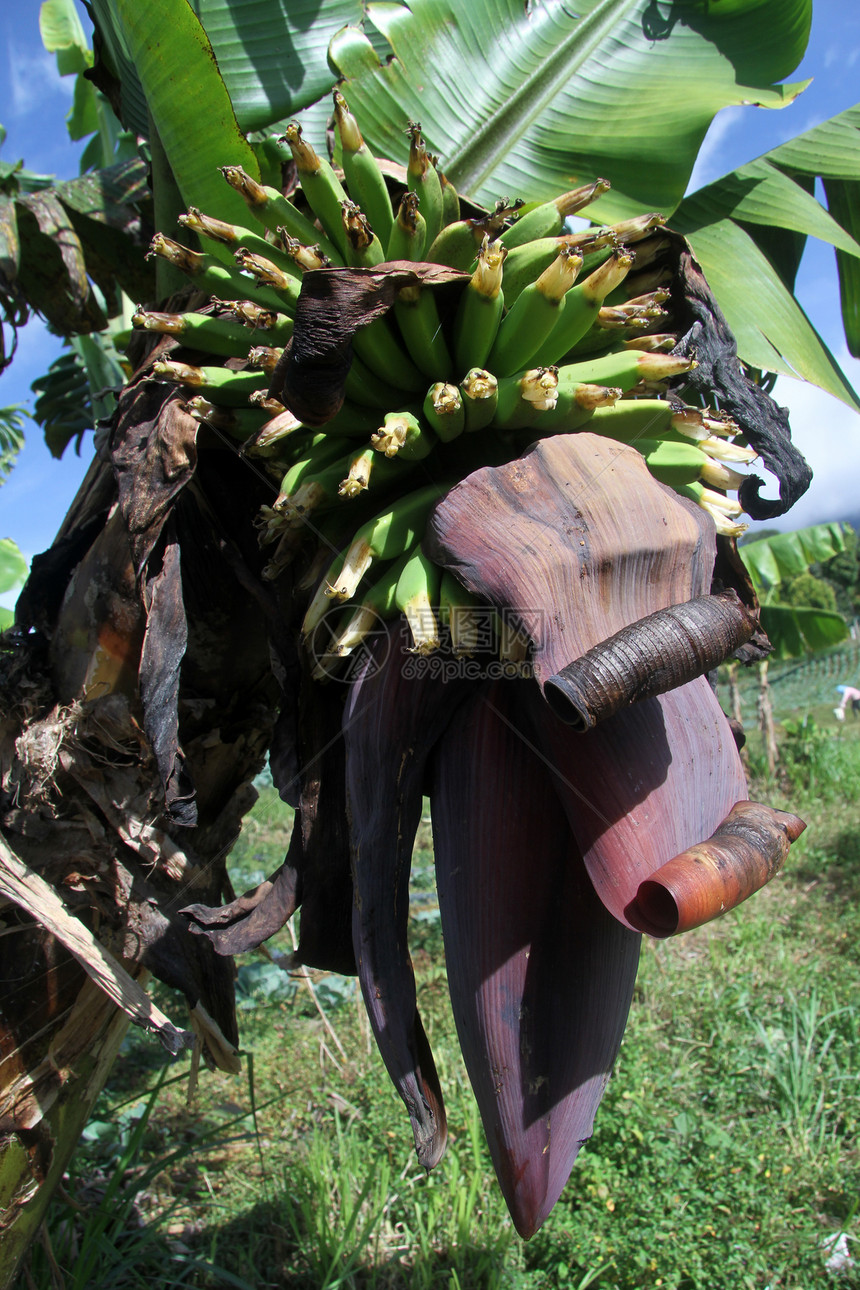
(765, 717)
(123, 782)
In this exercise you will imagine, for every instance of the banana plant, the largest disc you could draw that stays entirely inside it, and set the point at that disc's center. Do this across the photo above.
(772, 561)
(160, 617)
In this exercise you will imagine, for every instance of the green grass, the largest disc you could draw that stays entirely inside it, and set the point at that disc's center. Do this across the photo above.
(725, 1153)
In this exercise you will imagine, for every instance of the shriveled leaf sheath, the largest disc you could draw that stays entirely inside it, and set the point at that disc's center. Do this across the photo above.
(391, 721)
(27, 889)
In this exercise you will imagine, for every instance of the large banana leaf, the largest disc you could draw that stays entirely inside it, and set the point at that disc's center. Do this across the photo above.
(532, 100)
(738, 226)
(773, 560)
(272, 57)
(795, 630)
(528, 100)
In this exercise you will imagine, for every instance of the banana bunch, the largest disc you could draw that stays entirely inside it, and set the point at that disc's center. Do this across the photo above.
(550, 332)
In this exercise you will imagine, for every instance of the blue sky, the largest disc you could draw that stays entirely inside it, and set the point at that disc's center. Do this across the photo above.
(33, 100)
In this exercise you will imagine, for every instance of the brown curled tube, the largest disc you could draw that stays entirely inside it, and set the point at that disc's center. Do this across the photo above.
(651, 656)
(744, 853)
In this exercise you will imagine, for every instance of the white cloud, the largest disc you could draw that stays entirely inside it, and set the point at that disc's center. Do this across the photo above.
(34, 76)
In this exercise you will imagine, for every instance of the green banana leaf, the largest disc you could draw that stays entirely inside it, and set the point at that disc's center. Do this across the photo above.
(796, 631)
(738, 226)
(775, 559)
(273, 58)
(13, 571)
(11, 437)
(13, 566)
(163, 52)
(533, 100)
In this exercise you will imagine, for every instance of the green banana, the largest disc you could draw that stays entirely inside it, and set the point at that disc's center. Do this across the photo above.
(238, 423)
(234, 236)
(364, 179)
(402, 435)
(534, 316)
(524, 264)
(480, 308)
(381, 351)
(275, 211)
(463, 615)
(416, 593)
(366, 388)
(480, 393)
(458, 244)
(384, 537)
(212, 275)
(219, 384)
(685, 463)
(409, 231)
(582, 305)
(547, 219)
(423, 179)
(363, 247)
(377, 603)
(418, 319)
(320, 185)
(206, 332)
(450, 201)
(722, 510)
(444, 411)
(267, 274)
(303, 257)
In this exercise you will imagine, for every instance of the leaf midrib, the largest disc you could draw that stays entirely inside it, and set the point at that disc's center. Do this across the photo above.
(472, 164)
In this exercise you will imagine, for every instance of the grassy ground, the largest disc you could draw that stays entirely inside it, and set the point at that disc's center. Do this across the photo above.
(725, 1153)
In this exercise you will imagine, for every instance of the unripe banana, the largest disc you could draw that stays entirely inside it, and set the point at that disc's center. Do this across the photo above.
(384, 537)
(548, 219)
(458, 244)
(534, 317)
(480, 394)
(210, 274)
(722, 510)
(416, 593)
(378, 347)
(218, 384)
(364, 249)
(409, 231)
(275, 211)
(450, 201)
(480, 309)
(582, 305)
(234, 236)
(444, 411)
(205, 332)
(463, 615)
(320, 185)
(418, 319)
(422, 178)
(364, 179)
(402, 435)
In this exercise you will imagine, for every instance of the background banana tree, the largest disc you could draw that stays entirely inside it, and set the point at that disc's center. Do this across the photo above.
(793, 629)
(515, 101)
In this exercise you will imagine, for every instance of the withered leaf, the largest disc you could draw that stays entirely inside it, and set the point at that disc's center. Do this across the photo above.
(333, 305)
